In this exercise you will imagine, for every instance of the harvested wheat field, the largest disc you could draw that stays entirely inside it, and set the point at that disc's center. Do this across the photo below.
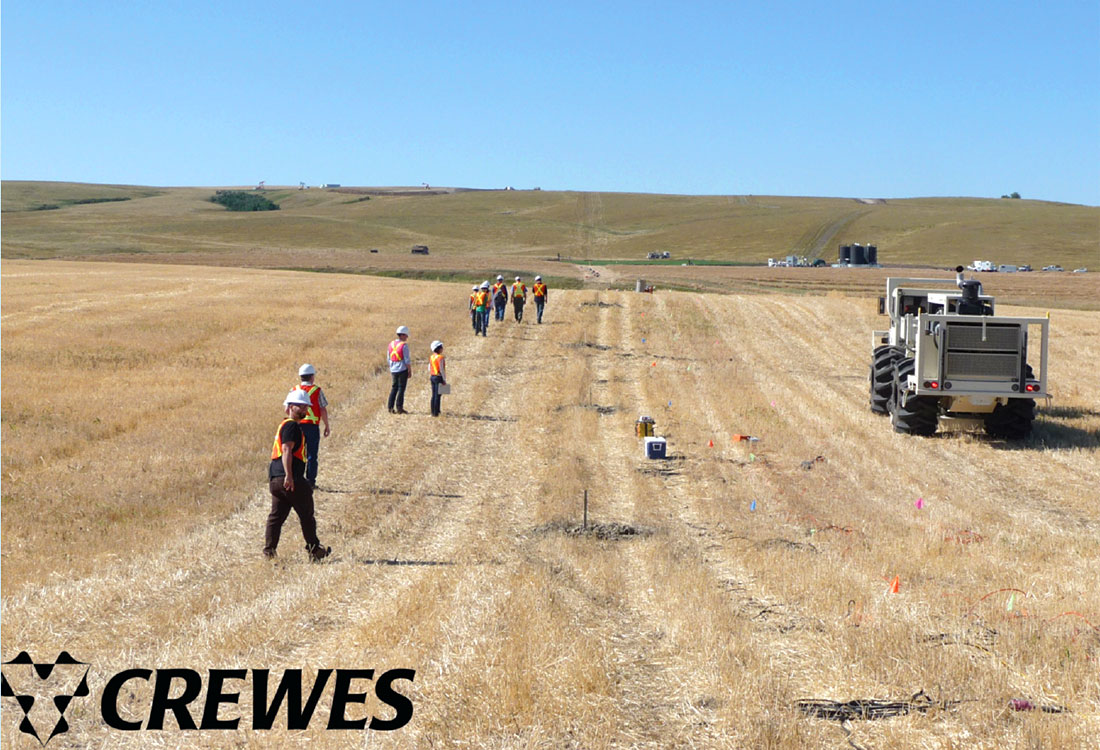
(710, 594)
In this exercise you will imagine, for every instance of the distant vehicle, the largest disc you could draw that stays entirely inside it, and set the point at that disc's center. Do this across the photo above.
(1053, 268)
(982, 265)
(819, 263)
(374, 249)
(1080, 270)
(420, 250)
(1024, 268)
(1005, 268)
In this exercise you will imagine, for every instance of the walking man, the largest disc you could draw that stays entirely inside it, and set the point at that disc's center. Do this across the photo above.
(519, 297)
(437, 366)
(400, 369)
(287, 478)
(538, 292)
(500, 297)
(481, 310)
(473, 315)
(317, 412)
(488, 305)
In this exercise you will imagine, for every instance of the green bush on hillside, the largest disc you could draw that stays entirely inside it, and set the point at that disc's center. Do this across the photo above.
(238, 200)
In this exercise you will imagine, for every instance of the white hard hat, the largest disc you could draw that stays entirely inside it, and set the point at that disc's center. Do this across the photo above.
(476, 287)
(538, 278)
(499, 277)
(518, 278)
(402, 330)
(436, 345)
(297, 397)
(485, 285)
(306, 370)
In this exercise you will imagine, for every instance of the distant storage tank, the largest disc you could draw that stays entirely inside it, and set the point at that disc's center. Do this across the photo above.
(859, 255)
(872, 255)
(845, 256)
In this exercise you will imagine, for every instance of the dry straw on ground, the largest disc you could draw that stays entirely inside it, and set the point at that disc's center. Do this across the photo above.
(138, 408)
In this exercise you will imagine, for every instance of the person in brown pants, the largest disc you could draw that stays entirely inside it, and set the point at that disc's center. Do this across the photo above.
(289, 488)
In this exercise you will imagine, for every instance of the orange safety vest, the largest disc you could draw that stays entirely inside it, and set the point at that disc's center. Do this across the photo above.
(397, 350)
(436, 364)
(498, 288)
(473, 296)
(519, 290)
(482, 299)
(313, 414)
(277, 448)
(539, 289)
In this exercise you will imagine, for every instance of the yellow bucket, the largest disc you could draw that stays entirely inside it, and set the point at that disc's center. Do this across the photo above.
(643, 428)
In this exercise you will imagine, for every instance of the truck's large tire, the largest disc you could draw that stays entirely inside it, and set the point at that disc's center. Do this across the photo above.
(1012, 421)
(911, 415)
(882, 376)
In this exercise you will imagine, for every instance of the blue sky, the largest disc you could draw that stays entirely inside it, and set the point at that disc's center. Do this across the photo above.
(866, 99)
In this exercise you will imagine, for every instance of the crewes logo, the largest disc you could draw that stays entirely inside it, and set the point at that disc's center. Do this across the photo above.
(59, 682)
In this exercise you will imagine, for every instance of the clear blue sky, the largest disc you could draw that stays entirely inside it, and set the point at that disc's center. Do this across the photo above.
(869, 99)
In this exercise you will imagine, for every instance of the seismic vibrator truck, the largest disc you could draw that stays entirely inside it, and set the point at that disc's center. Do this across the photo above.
(947, 356)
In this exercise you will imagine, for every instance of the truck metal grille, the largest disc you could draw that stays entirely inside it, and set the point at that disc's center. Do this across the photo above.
(968, 336)
(968, 365)
(989, 352)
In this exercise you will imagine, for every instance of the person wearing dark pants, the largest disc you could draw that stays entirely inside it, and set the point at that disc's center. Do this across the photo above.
(482, 302)
(538, 293)
(519, 297)
(287, 479)
(317, 413)
(500, 297)
(437, 366)
(400, 368)
(473, 312)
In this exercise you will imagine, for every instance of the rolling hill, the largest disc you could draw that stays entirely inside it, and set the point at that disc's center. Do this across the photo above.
(336, 228)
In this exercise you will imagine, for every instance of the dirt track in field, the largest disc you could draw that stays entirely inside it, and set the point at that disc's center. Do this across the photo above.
(755, 581)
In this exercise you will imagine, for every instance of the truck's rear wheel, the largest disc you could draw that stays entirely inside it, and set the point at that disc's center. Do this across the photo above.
(1011, 421)
(882, 376)
(912, 415)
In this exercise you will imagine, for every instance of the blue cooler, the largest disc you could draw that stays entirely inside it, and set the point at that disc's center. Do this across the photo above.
(655, 447)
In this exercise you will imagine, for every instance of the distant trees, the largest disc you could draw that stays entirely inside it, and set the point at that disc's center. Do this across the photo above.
(238, 200)
(1014, 195)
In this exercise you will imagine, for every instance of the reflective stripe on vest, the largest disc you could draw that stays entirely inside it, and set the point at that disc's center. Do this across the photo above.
(482, 299)
(519, 290)
(539, 289)
(277, 448)
(498, 288)
(397, 350)
(436, 364)
(313, 413)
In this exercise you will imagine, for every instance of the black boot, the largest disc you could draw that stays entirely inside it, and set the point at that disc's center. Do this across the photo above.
(317, 552)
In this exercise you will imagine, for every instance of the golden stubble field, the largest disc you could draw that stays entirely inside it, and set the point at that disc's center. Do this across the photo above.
(727, 582)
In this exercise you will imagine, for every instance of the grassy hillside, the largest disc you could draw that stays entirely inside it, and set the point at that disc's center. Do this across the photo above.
(336, 228)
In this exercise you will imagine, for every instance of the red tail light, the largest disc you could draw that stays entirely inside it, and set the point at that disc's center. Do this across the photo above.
(1032, 387)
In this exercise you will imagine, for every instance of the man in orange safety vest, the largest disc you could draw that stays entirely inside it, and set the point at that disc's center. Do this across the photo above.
(519, 297)
(538, 293)
(287, 479)
(400, 362)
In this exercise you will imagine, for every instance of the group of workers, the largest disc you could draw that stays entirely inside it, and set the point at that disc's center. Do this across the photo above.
(496, 296)
(400, 361)
(292, 473)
